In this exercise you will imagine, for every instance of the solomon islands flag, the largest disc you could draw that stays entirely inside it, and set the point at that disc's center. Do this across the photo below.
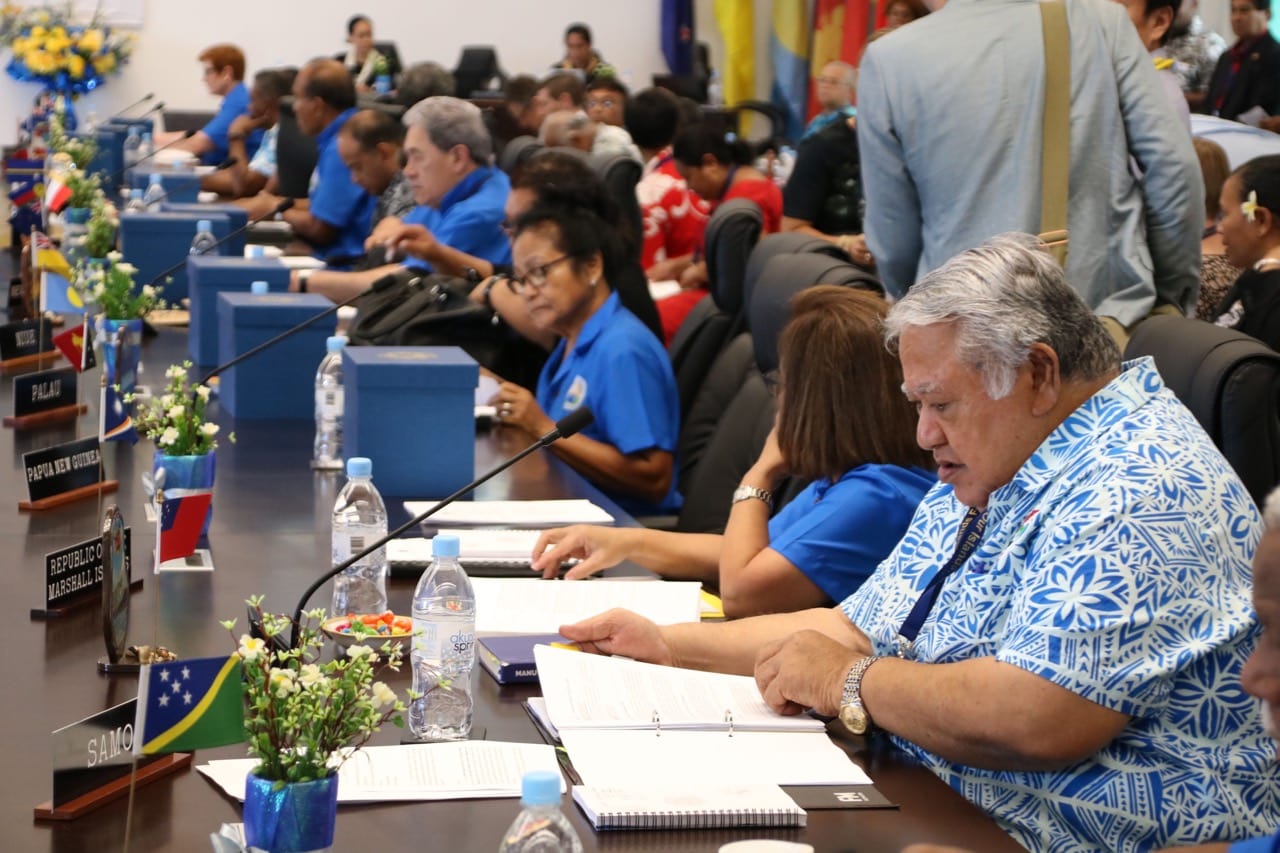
(189, 704)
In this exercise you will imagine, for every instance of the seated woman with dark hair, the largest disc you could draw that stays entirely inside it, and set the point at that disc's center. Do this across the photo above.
(843, 423)
(564, 257)
(1250, 229)
(365, 62)
(716, 166)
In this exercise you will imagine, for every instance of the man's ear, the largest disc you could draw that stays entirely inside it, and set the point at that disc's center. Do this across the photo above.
(1046, 378)
(1163, 21)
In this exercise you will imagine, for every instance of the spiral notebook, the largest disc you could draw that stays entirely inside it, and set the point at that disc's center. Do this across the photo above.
(701, 807)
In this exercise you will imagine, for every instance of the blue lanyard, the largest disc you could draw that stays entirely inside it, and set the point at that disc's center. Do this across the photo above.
(971, 530)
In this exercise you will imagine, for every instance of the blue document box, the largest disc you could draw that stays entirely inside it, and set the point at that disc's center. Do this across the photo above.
(278, 382)
(236, 215)
(209, 275)
(153, 242)
(412, 411)
(181, 187)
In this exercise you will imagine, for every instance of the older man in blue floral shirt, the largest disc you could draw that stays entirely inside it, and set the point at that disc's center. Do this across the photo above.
(1060, 634)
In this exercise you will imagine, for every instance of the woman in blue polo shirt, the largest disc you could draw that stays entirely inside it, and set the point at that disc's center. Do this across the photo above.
(843, 423)
(564, 257)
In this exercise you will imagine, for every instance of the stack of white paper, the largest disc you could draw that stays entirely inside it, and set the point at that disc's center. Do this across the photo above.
(437, 771)
(535, 606)
(515, 513)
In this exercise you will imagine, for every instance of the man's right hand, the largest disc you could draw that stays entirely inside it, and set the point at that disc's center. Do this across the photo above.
(621, 632)
(597, 547)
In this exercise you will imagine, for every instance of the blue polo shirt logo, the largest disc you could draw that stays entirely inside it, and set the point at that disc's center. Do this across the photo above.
(576, 394)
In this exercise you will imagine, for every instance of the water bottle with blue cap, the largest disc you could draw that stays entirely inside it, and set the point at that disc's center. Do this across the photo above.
(541, 827)
(359, 520)
(204, 243)
(326, 454)
(444, 647)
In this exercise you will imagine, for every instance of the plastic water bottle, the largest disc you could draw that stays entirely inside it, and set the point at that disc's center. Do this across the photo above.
(359, 519)
(155, 194)
(715, 90)
(541, 827)
(147, 148)
(204, 243)
(132, 147)
(327, 452)
(136, 204)
(444, 647)
(382, 84)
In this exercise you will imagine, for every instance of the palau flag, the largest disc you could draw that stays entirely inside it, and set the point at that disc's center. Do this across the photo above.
(839, 32)
(189, 704)
(114, 422)
(736, 20)
(76, 344)
(789, 50)
(677, 35)
(179, 522)
(58, 295)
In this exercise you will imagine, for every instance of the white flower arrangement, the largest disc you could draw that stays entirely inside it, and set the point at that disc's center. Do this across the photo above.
(303, 715)
(175, 420)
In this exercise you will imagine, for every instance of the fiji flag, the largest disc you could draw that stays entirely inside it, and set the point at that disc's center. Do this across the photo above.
(76, 344)
(180, 520)
(114, 423)
(189, 704)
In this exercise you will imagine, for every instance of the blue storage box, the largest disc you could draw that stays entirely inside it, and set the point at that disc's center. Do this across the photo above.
(181, 187)
(236, 215)
(153, 242)
(412, 411)
(108, 160)
(209, 275)
(278, 382)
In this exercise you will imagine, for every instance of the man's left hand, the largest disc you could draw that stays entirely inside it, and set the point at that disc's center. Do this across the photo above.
(804, 670)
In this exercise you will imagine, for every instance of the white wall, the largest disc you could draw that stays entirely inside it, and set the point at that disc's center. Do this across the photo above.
(528, 35)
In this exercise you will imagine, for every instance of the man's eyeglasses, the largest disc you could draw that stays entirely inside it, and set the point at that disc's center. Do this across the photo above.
(535, 278)
(607, 103)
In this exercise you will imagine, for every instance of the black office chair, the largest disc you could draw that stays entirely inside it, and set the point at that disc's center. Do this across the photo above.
(786, 243)
(731, 233)
(620, 174)
(295, 154)
(783, 277)
(1230, 382)
(517, 152)
(727, 375)
(477, 72)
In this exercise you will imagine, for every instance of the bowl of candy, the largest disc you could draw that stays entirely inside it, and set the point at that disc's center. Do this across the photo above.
(370, 629)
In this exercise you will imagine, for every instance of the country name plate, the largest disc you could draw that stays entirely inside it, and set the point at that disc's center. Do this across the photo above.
(73, 576)
(43, 398)
(64, 473)
(26, 338)
(93, 760)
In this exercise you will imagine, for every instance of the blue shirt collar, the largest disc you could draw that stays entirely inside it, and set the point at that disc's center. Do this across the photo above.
(466, 187)
(591, 330)
(1137, 383)
(331, 129)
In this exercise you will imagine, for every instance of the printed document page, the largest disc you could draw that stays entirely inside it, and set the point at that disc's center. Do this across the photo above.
(535, 606)
(515, 513)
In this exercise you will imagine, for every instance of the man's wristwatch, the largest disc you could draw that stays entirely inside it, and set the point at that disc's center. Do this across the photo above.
(303, 277)
(852, 712)
(746, 493)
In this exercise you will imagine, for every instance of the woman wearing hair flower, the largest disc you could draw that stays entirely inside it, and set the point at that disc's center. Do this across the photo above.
(1250, 230)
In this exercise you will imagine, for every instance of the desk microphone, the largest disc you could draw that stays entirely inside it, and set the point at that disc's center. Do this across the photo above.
(570, 424)
(136, 103)
(119, 173)
(279, 208)
(378, 286)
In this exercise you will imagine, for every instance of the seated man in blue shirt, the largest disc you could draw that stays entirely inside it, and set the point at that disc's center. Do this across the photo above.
(334, 218)
(223, 66)
(1061, 632)
(460, 199)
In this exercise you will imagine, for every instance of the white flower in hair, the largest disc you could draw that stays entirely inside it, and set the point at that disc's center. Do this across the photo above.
(1249, 207)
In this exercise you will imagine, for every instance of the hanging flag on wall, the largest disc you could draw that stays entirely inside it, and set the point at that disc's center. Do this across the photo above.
(789, 50)
(736, 20)
(678, 35)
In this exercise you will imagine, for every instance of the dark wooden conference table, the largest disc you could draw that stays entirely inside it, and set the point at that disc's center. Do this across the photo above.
(270, 535)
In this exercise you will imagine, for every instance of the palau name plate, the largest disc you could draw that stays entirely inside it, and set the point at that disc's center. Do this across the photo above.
(75, 574)
(26, 338)
(63, 468)
(44, 391)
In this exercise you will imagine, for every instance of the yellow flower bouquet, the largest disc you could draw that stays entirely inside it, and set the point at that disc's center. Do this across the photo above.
(49, 46)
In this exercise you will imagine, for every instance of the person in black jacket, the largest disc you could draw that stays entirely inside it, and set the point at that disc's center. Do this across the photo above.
(1247, 76)
(1250, 231)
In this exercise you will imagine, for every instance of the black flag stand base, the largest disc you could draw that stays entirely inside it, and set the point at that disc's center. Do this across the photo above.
(120, 667)
(113, 790)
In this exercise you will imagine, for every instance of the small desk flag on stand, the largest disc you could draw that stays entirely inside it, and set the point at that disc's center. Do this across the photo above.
(114, 423)
(179, 522)
(56, 194)
(189, 704)
(76, 344)
(47, 257)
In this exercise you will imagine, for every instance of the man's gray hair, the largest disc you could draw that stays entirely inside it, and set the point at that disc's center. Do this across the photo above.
(1005, 296)
(423, 80)
(451, 121)
(1271, 510)
(847, 72)
(563, 127)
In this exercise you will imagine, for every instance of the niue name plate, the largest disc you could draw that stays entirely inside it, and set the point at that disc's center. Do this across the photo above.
(26, 338)
(63, 468)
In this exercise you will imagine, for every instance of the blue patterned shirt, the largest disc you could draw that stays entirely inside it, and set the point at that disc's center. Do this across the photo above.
(1116, 564)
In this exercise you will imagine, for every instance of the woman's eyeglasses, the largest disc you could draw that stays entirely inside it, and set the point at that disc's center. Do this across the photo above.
(535, 277)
